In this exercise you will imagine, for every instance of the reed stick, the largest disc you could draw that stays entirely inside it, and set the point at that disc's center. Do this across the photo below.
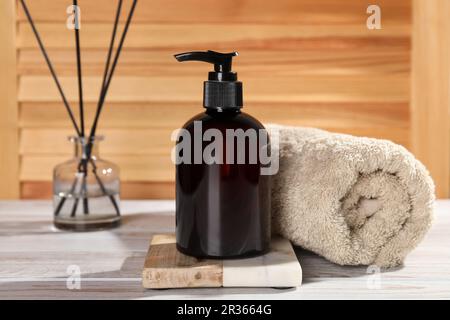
(107, 77)
(106, 80)
(106, 73)
(50, 66)
(111, 73)
(63, 200)
(111, 47)
(79, 69)
(81, 102)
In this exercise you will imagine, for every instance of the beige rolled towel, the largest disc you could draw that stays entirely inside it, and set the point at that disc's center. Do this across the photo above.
(352, 200)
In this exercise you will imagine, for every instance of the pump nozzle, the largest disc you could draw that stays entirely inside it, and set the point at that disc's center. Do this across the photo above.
(221, 61)
(222, 90)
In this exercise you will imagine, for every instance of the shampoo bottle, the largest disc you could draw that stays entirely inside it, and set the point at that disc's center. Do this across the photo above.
(222, 199)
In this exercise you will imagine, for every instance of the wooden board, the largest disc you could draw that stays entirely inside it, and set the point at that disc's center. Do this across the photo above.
(166, 267)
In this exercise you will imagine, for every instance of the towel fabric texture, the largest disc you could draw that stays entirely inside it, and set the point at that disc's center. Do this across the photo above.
(352, 200)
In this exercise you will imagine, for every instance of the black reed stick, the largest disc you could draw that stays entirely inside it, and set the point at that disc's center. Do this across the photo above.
(80, 97)
(58, 85)
(105, 87)
(80, 93)
(106, 80)
(75, 207)
(63, 200)
(50, 66)
(73, 191)
(99, 181)
(111, 73)
(104, 90)
(111, 47)
(85, 193)
(79, 70)
(105, 77)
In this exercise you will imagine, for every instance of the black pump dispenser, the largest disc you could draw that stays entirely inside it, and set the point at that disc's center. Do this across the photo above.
(222, 202)
(222, 90)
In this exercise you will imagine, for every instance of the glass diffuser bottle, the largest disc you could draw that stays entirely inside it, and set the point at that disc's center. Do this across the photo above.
(86, 189)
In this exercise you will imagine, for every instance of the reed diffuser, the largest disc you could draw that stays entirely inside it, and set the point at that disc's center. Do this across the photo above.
(86, 188)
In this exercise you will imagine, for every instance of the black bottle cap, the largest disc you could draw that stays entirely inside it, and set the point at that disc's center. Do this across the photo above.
(222, 90)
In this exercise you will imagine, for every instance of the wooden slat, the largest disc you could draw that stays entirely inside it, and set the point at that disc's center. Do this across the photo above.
(157, 142)
(169, 115)
(9, 164)
(128, 190)
(232, 36)
(180, 89)
(140, 161)
(136, 121)
(430, 99)
(364, 61)
(132, 168)
(118, 141)
(241, 11)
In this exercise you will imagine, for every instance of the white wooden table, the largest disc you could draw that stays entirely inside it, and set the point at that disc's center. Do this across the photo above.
(35, 260)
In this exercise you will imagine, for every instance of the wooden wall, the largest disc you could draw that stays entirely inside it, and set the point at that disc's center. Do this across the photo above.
(430, 96)
(303, 62)
(9, 142)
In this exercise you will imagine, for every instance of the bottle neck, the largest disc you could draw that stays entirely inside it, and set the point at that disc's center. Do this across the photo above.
(82, 147)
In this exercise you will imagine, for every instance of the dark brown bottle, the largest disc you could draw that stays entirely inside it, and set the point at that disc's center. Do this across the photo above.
(222, 199)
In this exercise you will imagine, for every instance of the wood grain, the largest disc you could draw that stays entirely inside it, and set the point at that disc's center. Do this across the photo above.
(136, 143)
(130, 128)
(166, 267)
(386, 59)
(111, 261)
(238, 11)
(200, 36)
(131, 142)
(162, 115)
(357, 88)
(430, 97)
(9, 144)
(326, 68)
(135, 151)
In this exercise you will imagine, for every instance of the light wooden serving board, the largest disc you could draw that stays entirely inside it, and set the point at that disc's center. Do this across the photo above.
(166, 267)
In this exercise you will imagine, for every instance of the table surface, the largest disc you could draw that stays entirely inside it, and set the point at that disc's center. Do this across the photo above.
(38, 262)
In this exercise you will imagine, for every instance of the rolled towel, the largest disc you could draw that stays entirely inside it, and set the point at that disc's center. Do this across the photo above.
(352, 200)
